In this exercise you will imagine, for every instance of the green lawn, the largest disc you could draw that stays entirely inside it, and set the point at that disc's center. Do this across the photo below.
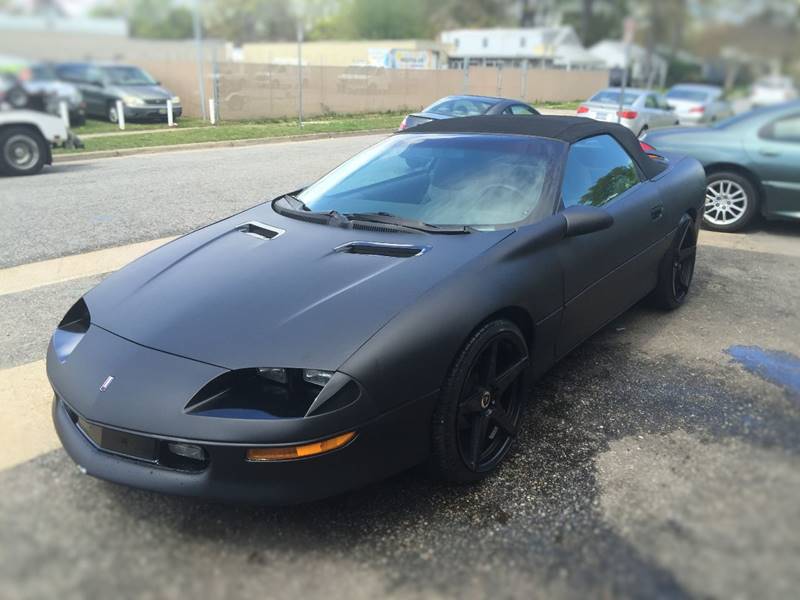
(572, 105)
(229, 131)
(93, 126)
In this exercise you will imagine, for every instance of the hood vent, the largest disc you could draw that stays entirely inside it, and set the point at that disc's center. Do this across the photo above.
(259, 230)
(382, 249)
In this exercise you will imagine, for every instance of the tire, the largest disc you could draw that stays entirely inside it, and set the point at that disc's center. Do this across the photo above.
(676, 270)
(111, 113)
(480, 405)
(23, 151)
(731, 202)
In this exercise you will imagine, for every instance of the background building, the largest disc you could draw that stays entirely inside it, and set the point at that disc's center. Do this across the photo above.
(558, 47)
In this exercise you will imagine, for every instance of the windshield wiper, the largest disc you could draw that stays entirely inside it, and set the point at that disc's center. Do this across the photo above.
(390, 219)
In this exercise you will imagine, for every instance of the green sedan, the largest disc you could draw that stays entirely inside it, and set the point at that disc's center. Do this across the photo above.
(752, 164)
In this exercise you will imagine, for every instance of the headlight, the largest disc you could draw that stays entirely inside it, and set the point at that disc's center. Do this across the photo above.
(317, 377)
(176, 99)
(273, 393)
(132, 101)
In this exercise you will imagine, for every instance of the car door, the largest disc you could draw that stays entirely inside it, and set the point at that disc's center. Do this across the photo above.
(607, 271)
(776, 151)
(656, 115)
(94, 92)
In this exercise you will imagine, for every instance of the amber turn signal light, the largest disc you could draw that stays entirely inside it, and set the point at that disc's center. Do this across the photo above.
(292, 452)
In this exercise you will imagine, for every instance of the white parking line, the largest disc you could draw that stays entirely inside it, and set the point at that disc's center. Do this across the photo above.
(56, 270)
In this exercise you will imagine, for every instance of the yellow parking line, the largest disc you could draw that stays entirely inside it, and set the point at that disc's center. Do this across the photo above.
(26, 428)
(56, 270)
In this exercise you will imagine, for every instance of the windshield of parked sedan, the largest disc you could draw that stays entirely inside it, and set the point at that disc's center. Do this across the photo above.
(478, 180)
(128, 76)
(459, 107)
(691, 95)
(612, 97)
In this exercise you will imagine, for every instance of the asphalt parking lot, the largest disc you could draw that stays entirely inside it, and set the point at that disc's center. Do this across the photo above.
(660, 459)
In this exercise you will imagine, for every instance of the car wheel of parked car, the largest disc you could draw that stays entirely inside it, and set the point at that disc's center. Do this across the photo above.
(22, 151)
(112, 114)
(676, 271)
(731, 202)
(480, 403)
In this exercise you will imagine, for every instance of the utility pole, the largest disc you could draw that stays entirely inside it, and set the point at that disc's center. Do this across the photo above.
(300, 70)
(198, 39)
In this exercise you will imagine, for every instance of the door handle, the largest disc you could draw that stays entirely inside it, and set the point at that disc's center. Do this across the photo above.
(767, 152)
(657, 212)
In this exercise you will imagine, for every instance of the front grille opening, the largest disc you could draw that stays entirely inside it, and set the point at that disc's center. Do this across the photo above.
(382, 249)
(247, 394)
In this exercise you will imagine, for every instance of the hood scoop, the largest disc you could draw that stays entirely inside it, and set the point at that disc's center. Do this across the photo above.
(259, 230)
(382, 249)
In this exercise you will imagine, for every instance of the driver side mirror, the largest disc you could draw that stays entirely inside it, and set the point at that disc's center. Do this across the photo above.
(580, 220)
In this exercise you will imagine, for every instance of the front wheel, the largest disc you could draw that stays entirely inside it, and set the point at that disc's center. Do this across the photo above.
(23, 151)
(480, 404)
(112, 114)
(731, 202)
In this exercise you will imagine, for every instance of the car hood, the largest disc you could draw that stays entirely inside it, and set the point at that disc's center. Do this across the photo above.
(149, 92)
(236, 300)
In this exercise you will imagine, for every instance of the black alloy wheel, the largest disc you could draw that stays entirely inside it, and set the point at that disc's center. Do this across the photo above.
(683, 264)
(676, 270)
(481, 403)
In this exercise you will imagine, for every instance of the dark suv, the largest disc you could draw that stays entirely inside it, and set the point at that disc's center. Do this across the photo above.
(103, 84)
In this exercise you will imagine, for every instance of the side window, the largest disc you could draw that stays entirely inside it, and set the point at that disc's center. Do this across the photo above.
(786, 129)
(72, 73)
(598, 170)
(520, 109)
(650, 102)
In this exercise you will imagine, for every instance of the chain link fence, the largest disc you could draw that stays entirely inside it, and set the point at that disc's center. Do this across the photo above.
(247, 91)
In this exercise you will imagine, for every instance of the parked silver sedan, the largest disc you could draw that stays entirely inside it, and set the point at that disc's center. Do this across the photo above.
(642, 110)
(697, 103)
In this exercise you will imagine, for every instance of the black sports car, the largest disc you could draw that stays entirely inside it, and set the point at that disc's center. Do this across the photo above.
(393, 312)
(454, 107)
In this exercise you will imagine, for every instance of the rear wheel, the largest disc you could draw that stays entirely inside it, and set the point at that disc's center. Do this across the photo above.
(481, 403)
(731, 202)
(23, 151)
(677, 268)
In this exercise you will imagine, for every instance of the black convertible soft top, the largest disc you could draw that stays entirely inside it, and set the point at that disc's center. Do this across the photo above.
(568, 129)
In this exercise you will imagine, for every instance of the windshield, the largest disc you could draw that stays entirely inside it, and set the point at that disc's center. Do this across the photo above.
(476, 180)
(612, 97)
(128, 76)
(459, 107)
(684, 94)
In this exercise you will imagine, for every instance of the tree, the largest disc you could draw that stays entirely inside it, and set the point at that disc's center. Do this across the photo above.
(242, 21)
(154, 19)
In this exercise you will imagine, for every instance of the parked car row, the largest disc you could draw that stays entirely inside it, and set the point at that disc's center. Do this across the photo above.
(88, 89)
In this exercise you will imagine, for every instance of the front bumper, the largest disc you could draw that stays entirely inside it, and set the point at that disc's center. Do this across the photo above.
(151, 112)
(391, 443)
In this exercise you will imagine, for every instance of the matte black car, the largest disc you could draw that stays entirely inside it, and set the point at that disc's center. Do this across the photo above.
(143, 98)
(394, 312)
(453, 107)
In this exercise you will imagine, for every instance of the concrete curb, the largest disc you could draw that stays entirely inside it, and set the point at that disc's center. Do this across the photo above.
(82, 156)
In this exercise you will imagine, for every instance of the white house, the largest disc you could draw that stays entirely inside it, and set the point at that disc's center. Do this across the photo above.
(543, 46)
(644, 70)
